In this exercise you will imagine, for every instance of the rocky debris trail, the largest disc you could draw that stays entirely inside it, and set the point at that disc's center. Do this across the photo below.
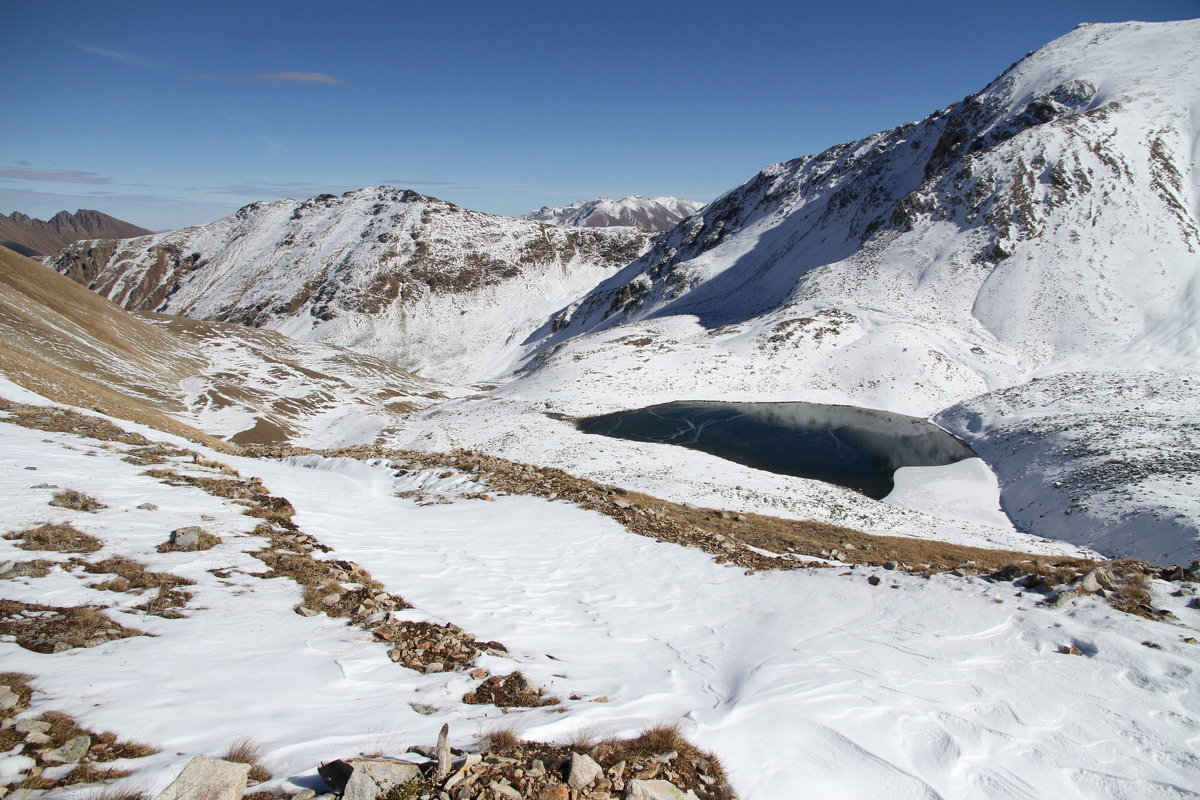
(51, 750)
(330, 587)
(333, 587)
(757, 542)
(659, 764)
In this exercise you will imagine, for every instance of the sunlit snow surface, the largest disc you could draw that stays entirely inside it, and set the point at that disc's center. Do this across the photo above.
(807, 683)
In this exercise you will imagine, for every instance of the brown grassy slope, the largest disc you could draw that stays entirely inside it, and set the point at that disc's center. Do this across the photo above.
(69, 344)
(51, 317)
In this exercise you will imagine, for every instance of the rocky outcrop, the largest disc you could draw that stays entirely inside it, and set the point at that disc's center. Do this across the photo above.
(35, 237)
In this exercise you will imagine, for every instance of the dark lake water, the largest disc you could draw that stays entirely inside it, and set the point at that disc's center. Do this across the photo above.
(853, 447)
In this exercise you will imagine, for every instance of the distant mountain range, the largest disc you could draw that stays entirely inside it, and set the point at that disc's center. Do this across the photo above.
(647, 213)
(34, 237)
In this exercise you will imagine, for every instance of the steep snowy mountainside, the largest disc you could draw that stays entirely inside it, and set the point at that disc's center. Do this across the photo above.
(1052, 214)
(435, 288)
(35, 237)
(647, 213)
(1046, 225)
(227, 380)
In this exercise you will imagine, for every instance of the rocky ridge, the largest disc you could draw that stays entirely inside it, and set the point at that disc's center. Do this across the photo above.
(434, 288)
(648, 213)
(35, 237)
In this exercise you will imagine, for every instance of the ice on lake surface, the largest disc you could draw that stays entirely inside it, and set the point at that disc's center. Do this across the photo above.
(858, 448)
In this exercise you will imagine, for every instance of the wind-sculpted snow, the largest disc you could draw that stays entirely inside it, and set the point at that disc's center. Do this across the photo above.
(647, 213)
(1107, 460)
(429, 286)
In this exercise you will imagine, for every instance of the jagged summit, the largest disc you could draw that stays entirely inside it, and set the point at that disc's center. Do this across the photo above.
(35, 237)
(647, 213)
(433, 287)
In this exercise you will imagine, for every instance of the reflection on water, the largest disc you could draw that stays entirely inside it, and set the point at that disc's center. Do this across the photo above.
(853, 447)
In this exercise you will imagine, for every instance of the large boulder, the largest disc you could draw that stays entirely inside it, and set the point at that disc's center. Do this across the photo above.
(207, 778)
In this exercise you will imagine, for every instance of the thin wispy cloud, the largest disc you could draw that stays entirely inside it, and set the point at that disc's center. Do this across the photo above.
(266, 189)
(117, 55)
(276, 77)
(51, 175)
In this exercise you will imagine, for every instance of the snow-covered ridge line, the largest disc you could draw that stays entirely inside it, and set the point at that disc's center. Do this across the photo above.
(647, 213)
(434, 288)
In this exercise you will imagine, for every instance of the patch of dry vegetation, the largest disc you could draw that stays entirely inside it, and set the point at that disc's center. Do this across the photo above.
(50, 629)
(247, 751)
(510, 691)
(132, 577)
(76, 501)
(62, 420)
(41, 735)
(58, 537)
(540, 770)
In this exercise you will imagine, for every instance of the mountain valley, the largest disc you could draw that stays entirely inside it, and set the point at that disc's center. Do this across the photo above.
(376, 394)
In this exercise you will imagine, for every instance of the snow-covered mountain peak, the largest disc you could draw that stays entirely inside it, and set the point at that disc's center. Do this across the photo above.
(433, 287)
(647, 213)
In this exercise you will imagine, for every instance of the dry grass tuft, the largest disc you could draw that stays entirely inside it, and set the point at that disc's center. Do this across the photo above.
(659, 739)
(116, 793)
(247, 751)
(76, 500)
(59, 537)
(500, 740)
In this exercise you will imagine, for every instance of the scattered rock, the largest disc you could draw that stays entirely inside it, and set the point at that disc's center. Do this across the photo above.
(583, 771)
(186, 538)
(655, 790)
(873, 580)
(558, 791)
(71, 752)
(508, 691)
(209, 778)
(148, 507)
(373, 778)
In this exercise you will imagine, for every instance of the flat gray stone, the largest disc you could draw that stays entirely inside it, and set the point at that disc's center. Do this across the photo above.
(8, 698)
(71, 752)
(373, 778)
(207, 778)
(655, 790)
(148, 507)
(186, 538)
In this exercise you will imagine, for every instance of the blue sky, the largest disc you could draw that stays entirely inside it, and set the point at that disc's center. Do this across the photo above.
(172, 113)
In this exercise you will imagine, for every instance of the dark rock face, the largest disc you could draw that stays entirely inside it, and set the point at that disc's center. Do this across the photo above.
(34, 237)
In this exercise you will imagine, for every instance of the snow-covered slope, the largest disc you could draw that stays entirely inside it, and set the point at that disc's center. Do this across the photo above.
(1047, 224)
(806, 683)
(434, 288)
(647, 213)
(227, 380)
